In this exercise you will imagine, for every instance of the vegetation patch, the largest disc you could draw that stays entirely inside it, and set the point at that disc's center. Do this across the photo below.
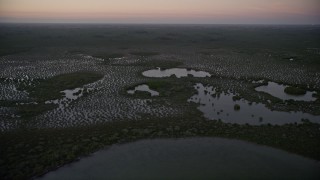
(51, 88)
(236, 107)
(236, 98)
(31, 110)
(8, 103)
(169, 90)
(294, 90)
(158, 85)
(316, 95)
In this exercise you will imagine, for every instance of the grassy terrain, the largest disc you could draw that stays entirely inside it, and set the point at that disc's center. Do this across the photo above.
(283, 42)
(107, 56)
(29, 111)
(158, 85)
(49, 89)
(170, 90)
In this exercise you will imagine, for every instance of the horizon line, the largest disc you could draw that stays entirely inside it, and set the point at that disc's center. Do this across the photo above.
(150, 23)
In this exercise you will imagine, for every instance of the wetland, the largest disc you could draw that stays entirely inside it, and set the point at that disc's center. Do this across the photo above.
(72, 92)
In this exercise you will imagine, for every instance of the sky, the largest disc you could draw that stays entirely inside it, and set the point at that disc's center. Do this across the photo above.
(162, 11)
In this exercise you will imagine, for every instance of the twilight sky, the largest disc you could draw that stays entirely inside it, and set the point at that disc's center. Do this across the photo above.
(162, 11)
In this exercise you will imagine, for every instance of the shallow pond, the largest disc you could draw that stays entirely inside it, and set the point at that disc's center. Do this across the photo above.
(192, 158)
(221, 106)
(69, 96)
(178, 72)
(277, 90)
(144, 88)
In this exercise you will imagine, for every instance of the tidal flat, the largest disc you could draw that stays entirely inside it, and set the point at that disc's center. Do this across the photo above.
(69, 90)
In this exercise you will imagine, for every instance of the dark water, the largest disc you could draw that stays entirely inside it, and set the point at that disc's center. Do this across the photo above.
(221, 106)
(277, 90)
(193, 158)
(178, 72)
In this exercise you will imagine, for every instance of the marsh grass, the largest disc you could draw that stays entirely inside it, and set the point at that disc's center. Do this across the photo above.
(108, 56)
(49, 89)
(28, 111)
(158, 85)
(170, 90)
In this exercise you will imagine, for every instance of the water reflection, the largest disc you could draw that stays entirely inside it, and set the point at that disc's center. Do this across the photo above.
(221, 106)
(277, 90)
(178, 72)
(70, 95)
(144, 88)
